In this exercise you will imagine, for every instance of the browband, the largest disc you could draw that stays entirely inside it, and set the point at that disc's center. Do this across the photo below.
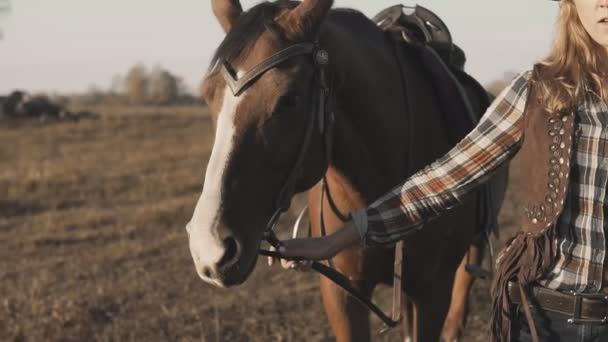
(237, 85)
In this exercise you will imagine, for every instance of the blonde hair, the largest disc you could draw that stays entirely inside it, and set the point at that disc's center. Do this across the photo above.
(576, 64)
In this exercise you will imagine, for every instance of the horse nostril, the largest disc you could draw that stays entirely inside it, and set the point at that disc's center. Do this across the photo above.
(231, 254)
(207, 272)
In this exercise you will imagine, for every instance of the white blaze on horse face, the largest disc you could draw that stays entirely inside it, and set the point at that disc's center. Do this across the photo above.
(206, 245)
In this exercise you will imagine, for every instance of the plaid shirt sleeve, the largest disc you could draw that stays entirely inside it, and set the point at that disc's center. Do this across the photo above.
(441, 185)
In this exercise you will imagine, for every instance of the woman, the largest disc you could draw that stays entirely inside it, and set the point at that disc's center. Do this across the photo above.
(552, 276)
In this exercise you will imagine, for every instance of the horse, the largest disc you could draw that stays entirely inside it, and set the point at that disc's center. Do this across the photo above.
(263, 93)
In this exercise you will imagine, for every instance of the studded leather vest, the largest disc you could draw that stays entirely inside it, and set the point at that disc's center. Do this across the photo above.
(546, 152)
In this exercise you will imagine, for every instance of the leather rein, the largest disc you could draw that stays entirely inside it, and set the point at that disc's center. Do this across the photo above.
(322, 113)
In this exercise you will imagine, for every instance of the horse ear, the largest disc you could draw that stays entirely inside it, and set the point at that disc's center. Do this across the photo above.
(227, 12)
(305, 20)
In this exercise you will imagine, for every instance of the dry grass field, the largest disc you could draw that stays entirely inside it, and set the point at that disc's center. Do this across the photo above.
(93, 246)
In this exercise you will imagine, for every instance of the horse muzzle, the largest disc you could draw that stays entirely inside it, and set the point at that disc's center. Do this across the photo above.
(221, 259)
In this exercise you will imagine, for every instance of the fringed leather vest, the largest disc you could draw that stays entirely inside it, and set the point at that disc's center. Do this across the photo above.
(546, 150)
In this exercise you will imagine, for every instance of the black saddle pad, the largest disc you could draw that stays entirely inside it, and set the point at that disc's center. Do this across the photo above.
(461, 98)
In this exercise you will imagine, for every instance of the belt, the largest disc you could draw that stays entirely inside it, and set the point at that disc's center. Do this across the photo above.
(582, 307)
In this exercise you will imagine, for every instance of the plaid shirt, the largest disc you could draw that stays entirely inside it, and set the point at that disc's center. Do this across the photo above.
(496, 139)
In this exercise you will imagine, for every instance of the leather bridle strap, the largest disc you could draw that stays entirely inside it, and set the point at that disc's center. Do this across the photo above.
(289, 187)
(332, 203)
(319, 101)
(238, 84)
(345, 284)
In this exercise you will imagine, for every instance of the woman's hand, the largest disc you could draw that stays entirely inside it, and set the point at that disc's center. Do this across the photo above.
(300, 265)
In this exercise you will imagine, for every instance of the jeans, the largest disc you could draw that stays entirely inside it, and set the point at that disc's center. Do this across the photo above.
(554, 327)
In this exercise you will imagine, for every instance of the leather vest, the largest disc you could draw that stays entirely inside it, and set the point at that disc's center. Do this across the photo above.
(546, 152)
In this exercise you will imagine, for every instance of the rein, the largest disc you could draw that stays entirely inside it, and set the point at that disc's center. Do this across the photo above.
(324, 115)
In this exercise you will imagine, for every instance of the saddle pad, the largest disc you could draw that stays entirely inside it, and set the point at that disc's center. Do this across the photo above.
(462, 102)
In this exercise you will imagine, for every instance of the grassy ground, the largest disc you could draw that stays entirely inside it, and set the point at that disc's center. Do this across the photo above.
(93, 247)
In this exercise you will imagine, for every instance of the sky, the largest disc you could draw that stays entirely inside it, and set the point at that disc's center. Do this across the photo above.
(67, 46)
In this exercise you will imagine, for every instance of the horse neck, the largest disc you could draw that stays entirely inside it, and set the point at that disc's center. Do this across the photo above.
(370, 131)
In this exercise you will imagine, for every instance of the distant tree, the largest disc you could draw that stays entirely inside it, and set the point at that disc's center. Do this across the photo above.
(118, 84)
(163, 87)
(185, 93)
(137, 85)
(93, 96)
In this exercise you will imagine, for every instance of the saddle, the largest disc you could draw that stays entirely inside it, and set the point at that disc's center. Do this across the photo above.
(419, 25)
(461, 98)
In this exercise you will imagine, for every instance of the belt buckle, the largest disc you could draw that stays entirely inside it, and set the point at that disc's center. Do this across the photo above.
(578, 303)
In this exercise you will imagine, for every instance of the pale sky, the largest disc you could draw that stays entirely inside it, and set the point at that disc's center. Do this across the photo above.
(68, 45)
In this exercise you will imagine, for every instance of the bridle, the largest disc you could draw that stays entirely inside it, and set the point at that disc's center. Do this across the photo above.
(321, 113)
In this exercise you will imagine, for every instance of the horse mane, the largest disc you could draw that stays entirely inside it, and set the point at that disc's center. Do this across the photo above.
(250, 25)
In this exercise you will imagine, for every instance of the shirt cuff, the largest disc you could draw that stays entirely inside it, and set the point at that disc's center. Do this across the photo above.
(360, 220)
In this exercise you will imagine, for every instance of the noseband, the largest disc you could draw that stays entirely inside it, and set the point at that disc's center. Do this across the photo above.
(322, 113)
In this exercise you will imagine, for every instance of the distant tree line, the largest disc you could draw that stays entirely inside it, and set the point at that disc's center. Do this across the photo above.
(140, 86)
(20, 105)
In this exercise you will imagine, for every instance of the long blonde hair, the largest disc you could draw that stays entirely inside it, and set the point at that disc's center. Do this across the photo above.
(576, 64)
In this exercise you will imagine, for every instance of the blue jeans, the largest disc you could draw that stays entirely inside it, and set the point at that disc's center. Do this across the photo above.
(554, 327)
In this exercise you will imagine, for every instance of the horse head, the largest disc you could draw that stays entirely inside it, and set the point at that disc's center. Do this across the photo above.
(261, 115)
